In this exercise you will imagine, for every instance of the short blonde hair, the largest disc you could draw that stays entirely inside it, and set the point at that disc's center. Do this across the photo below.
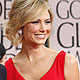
(22, 12)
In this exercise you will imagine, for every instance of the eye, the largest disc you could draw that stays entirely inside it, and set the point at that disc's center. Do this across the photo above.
(48, 22)
(35, 22)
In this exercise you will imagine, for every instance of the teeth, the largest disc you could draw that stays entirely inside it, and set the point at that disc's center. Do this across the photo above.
(41, 36)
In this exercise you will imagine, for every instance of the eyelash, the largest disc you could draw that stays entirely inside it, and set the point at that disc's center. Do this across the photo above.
(35, 22)
(48, 21)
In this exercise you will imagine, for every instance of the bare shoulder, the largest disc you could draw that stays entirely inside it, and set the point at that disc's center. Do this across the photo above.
(70, 59)
(71, 70)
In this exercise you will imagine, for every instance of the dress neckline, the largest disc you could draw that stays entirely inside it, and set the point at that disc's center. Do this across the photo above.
(42, 75)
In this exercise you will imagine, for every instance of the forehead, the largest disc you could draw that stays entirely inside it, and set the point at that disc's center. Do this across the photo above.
(44, 15)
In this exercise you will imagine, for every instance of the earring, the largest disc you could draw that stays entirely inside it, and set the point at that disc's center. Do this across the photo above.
(20, 31)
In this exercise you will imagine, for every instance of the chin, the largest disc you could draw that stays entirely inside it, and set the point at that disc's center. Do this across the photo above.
(40, 42)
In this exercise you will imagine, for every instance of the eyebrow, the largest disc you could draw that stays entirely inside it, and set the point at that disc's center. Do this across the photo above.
(48, 19)
(45, 19)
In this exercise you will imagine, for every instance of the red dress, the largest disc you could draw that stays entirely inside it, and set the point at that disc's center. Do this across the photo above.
(56, 72)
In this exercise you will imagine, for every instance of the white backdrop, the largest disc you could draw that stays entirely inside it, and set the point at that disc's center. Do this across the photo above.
(66, 27)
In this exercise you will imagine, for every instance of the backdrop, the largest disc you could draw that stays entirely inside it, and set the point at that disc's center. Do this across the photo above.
(66, 26)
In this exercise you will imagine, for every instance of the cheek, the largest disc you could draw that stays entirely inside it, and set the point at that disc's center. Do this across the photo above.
(49, 28)
(33, 28)
(30, 29)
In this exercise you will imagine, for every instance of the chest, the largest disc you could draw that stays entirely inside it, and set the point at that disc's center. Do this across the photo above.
(34, 71)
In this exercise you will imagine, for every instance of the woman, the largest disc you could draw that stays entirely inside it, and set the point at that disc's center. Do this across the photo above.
(30, 23)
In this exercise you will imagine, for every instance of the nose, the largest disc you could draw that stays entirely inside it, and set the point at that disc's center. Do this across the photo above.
(42, 27)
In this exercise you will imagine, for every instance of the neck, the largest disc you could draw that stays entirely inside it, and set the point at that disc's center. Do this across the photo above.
(32, 52)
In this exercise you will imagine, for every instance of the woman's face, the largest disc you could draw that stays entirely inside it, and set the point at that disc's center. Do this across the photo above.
(37, 31)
